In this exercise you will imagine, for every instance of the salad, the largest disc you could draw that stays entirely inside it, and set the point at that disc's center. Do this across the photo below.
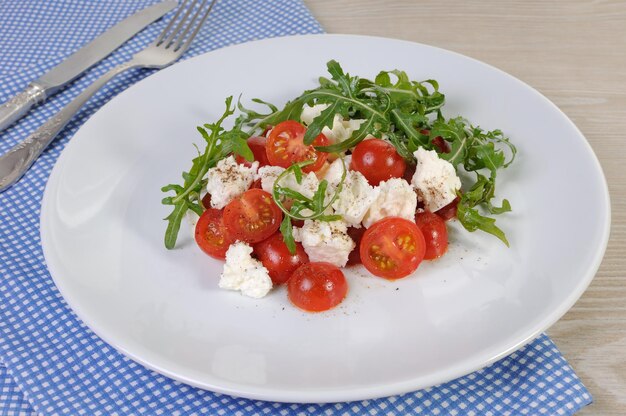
(353, 171)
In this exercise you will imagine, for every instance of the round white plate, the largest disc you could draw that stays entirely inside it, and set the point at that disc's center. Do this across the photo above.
(102, 232)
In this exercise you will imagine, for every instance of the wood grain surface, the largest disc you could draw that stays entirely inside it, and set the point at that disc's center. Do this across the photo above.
(574, 52)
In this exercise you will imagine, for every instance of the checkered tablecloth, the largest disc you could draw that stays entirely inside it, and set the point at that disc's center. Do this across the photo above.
(50, 363)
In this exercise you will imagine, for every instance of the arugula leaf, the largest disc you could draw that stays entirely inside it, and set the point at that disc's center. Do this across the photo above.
(287, 231)
(219, 145)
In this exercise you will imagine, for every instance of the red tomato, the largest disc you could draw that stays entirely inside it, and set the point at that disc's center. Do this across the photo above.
(257, 145)
(377, 160)
(449, 211)
(392, 248)
(435, 234)
(211, 234)
(356, 234)
(441, 144)
(277, 259)
(256, 184)
(285, 146)
(206, 201)
(316, 287)
(252, 217)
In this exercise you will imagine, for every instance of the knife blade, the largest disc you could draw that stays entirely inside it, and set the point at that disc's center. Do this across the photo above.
(81, 60)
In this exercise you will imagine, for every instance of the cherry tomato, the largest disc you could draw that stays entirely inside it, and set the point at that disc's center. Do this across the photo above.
(356, 234)
(449, 211)
(206, 201)
(277, 259)
(211, 235)
(435, 234)
(256, 184)
(392, 248)
(252, 217)
(316, 287)
(285, 146)
(377, 160)
(257, 145)
(441, 144)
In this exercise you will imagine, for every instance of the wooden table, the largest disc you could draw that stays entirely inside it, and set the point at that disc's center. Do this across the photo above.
(574, 52)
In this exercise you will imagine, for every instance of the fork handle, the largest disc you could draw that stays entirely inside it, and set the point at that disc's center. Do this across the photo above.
(19, 105)
(20, 157)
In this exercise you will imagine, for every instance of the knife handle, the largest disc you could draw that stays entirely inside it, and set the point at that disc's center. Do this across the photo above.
(19, 105)
(15, 162)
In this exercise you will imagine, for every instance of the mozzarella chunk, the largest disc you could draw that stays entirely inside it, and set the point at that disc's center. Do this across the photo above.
(242, 272)
(325, 241)
(435, 180)
(310, 112)
(307, 187)
(342, 129)
(268, 175)
(335, 171)
(395, 198)
(355, 199)
(228, 180)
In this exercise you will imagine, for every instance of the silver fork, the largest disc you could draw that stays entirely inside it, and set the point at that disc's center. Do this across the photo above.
(165, 50)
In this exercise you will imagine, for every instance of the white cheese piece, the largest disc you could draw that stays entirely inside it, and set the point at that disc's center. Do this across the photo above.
(355, 198)
(435, 180)
(307, 187)
(228, 180)
(325, 241)
(335, 171)
(242, 272)
(395, 198)
(268, 175)
(310, 112)
(342, 129)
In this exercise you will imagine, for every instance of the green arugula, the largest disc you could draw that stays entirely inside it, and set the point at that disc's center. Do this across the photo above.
(219, 144)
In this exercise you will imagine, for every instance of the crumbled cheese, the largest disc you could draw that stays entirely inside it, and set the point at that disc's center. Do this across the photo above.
(242, 272)
(325, 241)
(395, 198)
(307, 187)
(309, 113)
(335, 171)
(435, 180)
(341, 130)
(356, 195)
(228, 180)
(268, 175)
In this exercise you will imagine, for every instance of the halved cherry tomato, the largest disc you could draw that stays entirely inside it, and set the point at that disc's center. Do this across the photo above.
(277, 259)
(252, 217)
(435, 234)
(211, 235)
(392, 248)
(285, 146)
(257, 145)
(449, 211)
(316, 287)
(257, 184)
(377, 160)
(356, 234)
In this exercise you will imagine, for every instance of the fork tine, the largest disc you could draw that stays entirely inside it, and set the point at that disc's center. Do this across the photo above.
(171, 23)
(170, 39)
(191, 24)
(197, 29)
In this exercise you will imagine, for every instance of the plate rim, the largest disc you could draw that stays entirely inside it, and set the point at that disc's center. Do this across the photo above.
(351, 393)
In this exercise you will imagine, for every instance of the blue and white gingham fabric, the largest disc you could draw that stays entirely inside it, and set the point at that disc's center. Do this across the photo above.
(50, 363)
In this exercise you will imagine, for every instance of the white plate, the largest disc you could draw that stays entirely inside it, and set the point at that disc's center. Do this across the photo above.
(102, 233)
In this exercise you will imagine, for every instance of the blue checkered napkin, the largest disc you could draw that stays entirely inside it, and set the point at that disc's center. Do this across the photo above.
(52, 364)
